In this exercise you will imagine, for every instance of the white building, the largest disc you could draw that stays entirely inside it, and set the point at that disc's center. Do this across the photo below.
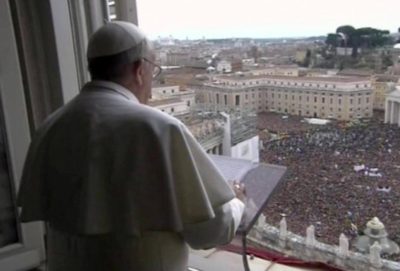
(224, 66)
(346, 51)
(342, 98)
(172, 100)
(392, 107)
(282, 70)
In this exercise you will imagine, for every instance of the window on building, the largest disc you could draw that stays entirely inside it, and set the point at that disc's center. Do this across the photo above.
(237, 100)
(217, 98)
(226, 99)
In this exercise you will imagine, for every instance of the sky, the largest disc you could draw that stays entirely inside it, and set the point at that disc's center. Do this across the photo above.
(195, 19)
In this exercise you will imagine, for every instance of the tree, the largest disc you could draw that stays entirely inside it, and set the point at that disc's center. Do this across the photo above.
(348, 31)
(365, 37)
(349, 39)
(370, 37)
(332, 40)
(307, 59)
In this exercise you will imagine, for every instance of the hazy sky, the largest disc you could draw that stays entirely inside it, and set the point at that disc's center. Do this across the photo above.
(262, 18)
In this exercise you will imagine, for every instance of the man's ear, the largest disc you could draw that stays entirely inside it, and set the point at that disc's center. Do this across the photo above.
(138, 71)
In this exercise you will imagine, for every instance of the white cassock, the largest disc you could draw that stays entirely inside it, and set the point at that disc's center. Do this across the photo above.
(123, 186)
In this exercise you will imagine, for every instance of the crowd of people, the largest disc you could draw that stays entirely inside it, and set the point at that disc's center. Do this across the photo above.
(339, 176)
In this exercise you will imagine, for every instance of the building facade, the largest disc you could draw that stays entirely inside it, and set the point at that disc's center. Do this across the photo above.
(392, 107)
(283, 70)
(320, 97)
(172, 100)
(382, 85)
(224, 66)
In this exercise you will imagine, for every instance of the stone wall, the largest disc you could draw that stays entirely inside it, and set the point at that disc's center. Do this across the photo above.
(309, 249)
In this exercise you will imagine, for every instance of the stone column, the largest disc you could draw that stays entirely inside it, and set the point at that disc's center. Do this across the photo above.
(396, 112)
(387, 111)
(392, 112)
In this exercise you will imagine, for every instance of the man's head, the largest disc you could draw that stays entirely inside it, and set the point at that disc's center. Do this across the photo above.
(120, 52)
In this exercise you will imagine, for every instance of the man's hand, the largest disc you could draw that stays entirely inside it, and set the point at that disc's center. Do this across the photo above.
(240, 190)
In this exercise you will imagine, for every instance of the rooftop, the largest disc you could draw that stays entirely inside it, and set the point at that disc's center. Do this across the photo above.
(159, 85)
(335, 79)
(387, 78)
(395, 93)
(164, 101)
